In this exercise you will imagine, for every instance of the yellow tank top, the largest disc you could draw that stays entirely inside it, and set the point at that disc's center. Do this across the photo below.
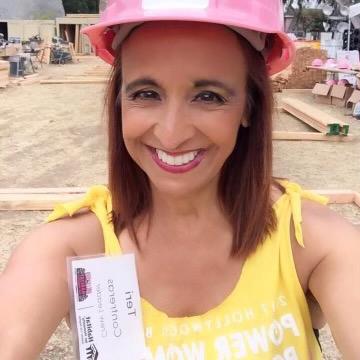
(265, 316)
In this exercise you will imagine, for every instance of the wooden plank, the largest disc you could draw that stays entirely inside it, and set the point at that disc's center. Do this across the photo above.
(306, 119)
(60, 190)
(73, 81)
(44, 199)
(30, 202)
(85, 77)
(337, 196)
(357, 199)
(313, 112)
(311, 136)
(77, 35)
(317, 119)
(306, 91)
(72, 52)
(333, 70)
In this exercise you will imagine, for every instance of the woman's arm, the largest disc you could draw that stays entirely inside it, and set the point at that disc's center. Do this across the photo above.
(335, 280)
(33, 287)
(33, 293)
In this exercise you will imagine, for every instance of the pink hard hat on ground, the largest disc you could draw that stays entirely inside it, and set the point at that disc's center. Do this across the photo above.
(253, 19)
(317, 62)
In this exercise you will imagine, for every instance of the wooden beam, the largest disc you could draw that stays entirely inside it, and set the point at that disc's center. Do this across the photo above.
(357, 199)
(314, 117)
(77, 35)
(306, 91)
(311, 136)
(337, 196)
(60, 190)
(44, 199)
(29, 199)
(30, 202)
(333, 70)
(72, 81)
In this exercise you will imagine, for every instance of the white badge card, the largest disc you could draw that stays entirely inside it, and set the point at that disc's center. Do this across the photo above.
(106, 310)
(174, 4)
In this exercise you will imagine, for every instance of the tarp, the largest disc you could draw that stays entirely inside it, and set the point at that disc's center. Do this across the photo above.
(31, 9)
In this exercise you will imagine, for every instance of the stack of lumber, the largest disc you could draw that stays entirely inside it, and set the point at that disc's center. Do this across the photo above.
(4, 73)
(297, 76)
(319, 120)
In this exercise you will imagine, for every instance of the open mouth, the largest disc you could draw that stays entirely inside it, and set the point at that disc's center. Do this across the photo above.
(177, 162)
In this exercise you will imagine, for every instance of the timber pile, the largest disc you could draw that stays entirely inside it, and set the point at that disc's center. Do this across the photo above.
(4, 73)
(297, 76)
(319, 120)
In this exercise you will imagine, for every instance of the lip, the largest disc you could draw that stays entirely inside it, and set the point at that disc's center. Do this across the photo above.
(177, 169)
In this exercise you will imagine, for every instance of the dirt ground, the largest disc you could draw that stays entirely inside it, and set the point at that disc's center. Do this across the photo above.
(54, 136)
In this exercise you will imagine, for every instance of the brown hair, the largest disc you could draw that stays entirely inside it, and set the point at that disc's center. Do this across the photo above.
(246, 176)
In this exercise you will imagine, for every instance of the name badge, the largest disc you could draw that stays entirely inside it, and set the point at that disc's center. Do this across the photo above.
(174, 4)
(106, 314)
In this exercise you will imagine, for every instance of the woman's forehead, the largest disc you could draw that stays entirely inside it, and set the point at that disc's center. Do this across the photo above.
(182, 43)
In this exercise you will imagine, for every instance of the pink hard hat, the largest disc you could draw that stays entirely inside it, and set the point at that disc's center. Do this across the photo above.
(344, 64)
(331, 82)
(343, 82)
(317, 62)
(252, 19)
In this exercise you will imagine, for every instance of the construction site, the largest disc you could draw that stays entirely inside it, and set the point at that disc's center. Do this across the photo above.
(53, 133)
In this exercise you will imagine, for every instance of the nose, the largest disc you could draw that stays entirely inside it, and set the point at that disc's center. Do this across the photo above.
(173, 127)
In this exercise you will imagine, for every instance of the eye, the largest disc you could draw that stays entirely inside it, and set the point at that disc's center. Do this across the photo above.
(145, 95)
(209, 97)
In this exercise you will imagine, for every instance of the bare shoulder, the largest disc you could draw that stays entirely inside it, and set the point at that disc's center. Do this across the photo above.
(82, 233)
(331, 257)
(326, 234)
(71, 236)
(326, 231)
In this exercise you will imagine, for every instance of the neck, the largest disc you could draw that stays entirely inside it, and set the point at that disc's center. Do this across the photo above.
(192, 205)
(185, 220)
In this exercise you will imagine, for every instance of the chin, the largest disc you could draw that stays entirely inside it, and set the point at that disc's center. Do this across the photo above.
(182, 189)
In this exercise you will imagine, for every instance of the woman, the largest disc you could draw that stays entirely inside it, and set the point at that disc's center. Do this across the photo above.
(224, 253)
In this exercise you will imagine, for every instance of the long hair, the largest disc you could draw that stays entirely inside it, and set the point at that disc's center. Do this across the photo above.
(246, 176)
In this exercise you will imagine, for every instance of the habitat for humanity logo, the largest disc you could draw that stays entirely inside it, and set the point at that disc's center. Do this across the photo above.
(83, 281)
(92, 353)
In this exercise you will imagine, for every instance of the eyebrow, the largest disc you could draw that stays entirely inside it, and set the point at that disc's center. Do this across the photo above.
(145, 81)
(201, 83)
(216, 83)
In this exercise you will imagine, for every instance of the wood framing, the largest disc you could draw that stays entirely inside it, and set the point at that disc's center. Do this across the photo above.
(75, 81)
(44, 199)
(314, 117)
(311, 136)
(333, 70)
(41, 199)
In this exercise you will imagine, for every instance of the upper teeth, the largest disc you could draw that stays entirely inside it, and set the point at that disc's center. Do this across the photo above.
(176, 160)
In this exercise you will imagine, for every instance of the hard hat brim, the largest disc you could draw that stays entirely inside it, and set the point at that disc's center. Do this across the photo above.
(102, 34)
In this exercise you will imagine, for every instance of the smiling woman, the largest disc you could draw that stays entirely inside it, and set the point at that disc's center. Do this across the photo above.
(231, 262)
(165, 110)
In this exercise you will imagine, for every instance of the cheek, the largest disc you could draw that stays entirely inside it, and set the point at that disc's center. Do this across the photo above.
(135, 123)
(222, 128)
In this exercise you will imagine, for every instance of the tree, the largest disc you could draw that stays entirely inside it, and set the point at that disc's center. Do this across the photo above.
(81, 6)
